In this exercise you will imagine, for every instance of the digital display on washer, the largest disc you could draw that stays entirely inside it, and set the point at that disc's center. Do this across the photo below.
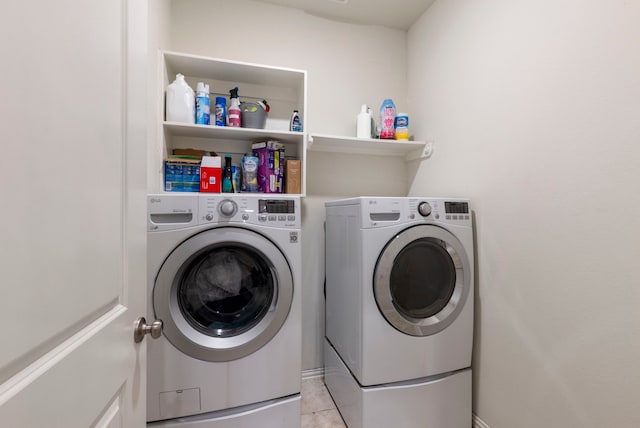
(276, 206)
(456, 207)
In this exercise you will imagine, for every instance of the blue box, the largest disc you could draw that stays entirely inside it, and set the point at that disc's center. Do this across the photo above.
(181, 175)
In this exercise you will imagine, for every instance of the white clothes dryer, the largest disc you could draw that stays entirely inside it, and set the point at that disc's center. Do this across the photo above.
(399, 311)
(224, 274)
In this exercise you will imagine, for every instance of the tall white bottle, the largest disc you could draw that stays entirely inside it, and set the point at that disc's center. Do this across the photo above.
(363, 125)
(181, 101)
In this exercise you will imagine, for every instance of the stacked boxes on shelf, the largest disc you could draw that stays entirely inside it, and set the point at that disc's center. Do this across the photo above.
(191, 170)
(182, 170)
(181, 175)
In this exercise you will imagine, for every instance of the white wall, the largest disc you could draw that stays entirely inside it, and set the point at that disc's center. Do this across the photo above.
(534, 107)
(159, 26)
(347, 65)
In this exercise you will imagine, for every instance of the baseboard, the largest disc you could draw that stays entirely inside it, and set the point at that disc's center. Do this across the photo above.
(317, 372)
(479, 423)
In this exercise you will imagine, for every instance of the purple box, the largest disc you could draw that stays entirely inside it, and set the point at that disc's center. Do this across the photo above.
(270, 156)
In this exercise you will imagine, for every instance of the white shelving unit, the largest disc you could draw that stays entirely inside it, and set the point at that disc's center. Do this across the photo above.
(284, 89)
(409, 150)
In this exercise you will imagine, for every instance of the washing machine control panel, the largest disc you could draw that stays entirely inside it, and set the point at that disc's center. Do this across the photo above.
(259, 209)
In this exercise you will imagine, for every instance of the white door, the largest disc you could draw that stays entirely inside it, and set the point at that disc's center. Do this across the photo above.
(72, 212)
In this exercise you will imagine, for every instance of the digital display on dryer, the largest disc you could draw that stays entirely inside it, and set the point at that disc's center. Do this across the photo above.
(456, 207)
(276, 206)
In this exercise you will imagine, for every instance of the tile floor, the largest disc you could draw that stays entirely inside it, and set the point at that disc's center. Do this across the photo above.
(318, 409)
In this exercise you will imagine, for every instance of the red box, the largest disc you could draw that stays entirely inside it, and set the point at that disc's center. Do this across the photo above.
(211, 174)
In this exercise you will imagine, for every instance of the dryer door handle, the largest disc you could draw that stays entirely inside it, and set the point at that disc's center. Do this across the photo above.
(141, 328)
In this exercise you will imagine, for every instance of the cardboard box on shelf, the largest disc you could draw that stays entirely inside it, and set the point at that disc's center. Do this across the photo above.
(193, 152)
(181, 175)
(211, 174)
(270, 156)
(292, 176)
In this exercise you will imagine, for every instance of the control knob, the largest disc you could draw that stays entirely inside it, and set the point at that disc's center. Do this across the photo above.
(227, 208)
(424, 209)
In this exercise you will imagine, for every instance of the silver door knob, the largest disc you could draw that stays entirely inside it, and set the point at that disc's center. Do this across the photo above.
(141, 328)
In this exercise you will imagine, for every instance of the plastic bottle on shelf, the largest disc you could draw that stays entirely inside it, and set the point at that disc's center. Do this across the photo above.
(250, 173)
(221, 111)
(387, 120)
(374, 128)
(203, 104)
(234, 113)
(181, 103)
(227, 175)
(363, 123)
(402, 126)
(236, 178)
(295, 124)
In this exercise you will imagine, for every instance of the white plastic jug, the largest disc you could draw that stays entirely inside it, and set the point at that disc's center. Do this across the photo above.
(181, 101)
(363, 123)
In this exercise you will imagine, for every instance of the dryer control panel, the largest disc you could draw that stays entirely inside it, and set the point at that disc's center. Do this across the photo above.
(439, 209)
(377, 212)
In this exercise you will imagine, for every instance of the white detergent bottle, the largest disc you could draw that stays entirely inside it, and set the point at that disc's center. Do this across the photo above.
(181, 101)
(295, 124)
(363, 123)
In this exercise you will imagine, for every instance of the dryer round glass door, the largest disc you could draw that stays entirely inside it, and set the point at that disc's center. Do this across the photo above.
(223, 294)
(422, 280)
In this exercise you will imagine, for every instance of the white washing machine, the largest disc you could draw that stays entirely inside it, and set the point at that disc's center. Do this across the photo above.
(224, 278)
(399, 311)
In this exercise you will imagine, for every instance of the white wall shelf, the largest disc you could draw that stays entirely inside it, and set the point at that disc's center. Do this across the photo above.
(410, 150)
(229, 133)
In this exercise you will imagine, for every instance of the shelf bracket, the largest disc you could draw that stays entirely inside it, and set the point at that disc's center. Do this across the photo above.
(423, 153)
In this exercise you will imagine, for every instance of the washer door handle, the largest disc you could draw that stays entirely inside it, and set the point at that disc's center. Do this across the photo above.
(141, 328)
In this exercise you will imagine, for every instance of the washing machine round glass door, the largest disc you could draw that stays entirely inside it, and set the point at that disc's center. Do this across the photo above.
(223, 294)
(421, 280)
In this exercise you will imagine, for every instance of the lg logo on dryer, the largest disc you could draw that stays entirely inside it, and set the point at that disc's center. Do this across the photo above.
(293, 237)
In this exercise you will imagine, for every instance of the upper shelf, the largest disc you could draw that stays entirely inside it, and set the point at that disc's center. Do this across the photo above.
(233, 71)
(229, 133)
(410, 150)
